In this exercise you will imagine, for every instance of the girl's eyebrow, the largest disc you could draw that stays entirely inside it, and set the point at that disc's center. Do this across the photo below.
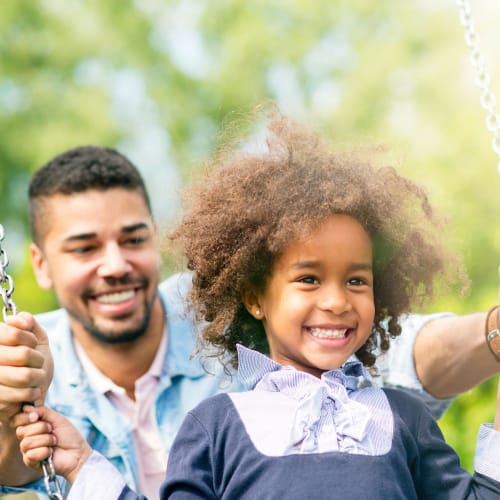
(362, 266)
(355, 266)
(301, 264)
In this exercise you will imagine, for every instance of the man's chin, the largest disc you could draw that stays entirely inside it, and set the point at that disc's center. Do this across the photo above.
(118, 331)
(114, 337)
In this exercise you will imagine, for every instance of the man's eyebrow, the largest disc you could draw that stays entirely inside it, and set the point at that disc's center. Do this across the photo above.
(126, 229)
(134, 227)
(81, 237)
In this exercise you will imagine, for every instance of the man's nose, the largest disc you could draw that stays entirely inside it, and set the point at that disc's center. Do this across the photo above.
(114, 262)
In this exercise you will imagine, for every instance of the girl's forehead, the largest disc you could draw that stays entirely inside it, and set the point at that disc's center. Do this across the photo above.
(306, 228)
(341, 235)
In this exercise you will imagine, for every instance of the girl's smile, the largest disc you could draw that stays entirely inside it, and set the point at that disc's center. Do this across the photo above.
(318, 307)
(328, 333)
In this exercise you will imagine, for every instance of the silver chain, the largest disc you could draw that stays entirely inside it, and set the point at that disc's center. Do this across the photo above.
(6, 281)
(9, 307)
(483, 81)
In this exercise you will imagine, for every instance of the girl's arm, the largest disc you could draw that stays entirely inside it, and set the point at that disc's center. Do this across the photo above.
(435, 466)
(189, 470)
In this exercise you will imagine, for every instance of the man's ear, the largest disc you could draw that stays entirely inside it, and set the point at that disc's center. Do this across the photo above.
(40, 267)
(252, 304)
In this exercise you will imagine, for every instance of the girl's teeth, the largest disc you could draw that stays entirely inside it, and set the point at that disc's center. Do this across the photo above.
(328, 334)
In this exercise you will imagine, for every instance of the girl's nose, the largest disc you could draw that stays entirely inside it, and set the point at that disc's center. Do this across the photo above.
(335, 299)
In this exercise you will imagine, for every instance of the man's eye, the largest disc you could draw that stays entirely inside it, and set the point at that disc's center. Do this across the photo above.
(137, 240)
(81, 250)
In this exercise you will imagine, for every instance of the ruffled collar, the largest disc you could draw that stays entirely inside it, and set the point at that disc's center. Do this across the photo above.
(255, 368)
(321, 402)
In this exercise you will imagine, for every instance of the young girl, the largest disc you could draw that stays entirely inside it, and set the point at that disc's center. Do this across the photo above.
(302, 258)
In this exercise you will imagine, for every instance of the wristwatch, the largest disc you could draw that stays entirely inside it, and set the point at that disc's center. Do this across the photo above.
(493, 332)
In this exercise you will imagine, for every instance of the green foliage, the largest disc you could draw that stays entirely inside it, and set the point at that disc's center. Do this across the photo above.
(159, 78)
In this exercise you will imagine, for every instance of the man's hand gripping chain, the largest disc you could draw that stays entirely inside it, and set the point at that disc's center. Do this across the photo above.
(9, 307)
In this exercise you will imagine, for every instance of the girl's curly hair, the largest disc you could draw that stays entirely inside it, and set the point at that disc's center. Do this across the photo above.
(248, 207)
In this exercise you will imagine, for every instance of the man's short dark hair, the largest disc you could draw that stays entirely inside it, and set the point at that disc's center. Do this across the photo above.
(78, 170)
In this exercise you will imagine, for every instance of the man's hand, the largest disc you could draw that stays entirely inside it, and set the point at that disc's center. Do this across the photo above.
(26, 365)
(26, 370)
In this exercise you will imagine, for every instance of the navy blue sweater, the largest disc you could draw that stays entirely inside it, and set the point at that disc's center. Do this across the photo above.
(213, 457)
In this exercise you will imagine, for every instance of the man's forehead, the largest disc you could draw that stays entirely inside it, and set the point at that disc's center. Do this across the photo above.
(109, 197)
(96, 213)
(93, 202)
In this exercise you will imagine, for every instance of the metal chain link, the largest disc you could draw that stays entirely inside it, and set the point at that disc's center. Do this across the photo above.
(483, 81)
(50, 480)
(9, 307)
(6, 281)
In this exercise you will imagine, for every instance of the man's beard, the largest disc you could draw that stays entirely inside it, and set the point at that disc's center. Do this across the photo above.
(126, 336)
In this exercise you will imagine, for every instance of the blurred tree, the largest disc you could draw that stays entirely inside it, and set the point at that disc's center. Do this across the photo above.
(159, 79)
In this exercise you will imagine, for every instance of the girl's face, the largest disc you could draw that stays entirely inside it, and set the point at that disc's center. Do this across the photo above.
(318, 307)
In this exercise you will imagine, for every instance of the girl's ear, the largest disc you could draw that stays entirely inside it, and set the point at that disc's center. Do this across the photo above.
(252, 304)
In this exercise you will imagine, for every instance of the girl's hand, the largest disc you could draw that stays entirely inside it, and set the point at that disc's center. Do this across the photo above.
(43, 432)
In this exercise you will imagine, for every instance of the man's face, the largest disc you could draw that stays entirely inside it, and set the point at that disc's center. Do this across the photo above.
(100, 253)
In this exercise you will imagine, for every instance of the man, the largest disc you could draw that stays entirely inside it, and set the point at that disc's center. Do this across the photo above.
(121, 343)
(122, 347)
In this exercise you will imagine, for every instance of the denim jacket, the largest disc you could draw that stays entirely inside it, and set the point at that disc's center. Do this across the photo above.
(183, 384)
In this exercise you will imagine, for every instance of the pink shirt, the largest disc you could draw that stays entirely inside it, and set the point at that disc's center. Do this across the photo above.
(151, 454)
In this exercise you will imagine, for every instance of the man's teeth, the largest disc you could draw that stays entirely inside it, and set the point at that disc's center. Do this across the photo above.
(115, 298)
(328, 334)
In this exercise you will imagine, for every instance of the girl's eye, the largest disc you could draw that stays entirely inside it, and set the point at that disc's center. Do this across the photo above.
(357, 281)
(310, 280)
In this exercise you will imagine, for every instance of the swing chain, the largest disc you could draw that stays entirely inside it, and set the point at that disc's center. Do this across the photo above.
(9, 307)
(6, 281)
(483, 81)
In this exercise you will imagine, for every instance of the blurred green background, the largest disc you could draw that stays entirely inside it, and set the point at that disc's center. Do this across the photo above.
(159, 78)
